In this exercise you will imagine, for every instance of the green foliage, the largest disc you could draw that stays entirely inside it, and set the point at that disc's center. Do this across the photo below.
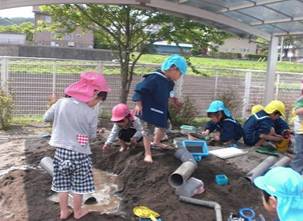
(225, 55)
(129, 30)
(6, 110)
(182, 112)
(227, 63)
(229, 97)
(27, 120)
(15, 20)
(26, 28)
(256, 57)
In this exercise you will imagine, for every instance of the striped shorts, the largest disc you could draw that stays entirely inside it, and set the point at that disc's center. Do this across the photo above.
(72, 172)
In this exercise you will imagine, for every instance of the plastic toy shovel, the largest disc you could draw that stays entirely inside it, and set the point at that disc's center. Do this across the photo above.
(145, 212)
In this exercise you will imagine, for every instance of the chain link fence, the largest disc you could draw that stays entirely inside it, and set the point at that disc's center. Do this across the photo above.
(32, 80)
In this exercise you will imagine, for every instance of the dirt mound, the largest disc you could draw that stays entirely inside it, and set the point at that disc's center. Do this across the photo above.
(23, 193)
(145, 184)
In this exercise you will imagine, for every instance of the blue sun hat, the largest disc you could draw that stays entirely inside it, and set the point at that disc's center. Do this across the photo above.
(287, 186)
(218, 105)
(176, 60)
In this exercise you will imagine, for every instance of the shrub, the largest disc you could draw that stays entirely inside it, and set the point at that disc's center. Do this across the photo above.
(229, 97)
(225, 55)
(6, 109)
(255, 57)
(182, 112)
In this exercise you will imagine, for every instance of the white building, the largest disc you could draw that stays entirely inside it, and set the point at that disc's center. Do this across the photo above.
(12, 38)
(238, 45)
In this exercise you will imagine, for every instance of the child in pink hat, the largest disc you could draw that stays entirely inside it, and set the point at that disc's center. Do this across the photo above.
(127, 128)
(74, 124)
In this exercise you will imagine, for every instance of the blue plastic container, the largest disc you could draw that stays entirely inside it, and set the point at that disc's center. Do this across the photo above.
(198, 148)
(221, 179)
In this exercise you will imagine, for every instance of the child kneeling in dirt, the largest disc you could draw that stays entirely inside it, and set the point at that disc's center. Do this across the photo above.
(74, 123)
(226, 130)
(280, 125)
(282, 190)
(260, 127)
(151, 97)
(126, 127)
(281, 128)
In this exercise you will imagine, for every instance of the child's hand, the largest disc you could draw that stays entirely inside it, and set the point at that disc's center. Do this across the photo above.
(138, 109)
(101, 130)
(105, 147)
(217, 137)
(133, 141)
(52, 99)
(205, 133)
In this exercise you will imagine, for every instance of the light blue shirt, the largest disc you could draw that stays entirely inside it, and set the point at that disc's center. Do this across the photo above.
(71, 119)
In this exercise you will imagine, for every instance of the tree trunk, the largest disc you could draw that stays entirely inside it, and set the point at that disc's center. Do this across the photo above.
(124, 83)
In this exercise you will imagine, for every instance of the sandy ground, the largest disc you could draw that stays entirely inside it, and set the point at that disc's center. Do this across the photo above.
(24, 187)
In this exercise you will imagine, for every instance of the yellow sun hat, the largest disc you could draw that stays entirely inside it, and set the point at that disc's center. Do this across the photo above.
(275, 105)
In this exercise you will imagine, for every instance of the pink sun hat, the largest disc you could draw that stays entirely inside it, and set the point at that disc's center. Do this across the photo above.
(85, 89)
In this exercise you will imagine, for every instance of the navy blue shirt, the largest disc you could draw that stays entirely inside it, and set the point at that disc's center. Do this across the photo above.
(230, 129)
(257, 124)
(153, 91)
(280, 126)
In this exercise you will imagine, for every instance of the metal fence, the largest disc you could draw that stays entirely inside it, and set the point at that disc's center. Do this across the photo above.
(32, 80)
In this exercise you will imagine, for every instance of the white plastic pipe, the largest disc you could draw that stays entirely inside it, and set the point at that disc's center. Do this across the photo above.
(47, 164)
(284, 161)
(261, 168)
(181, 175)
(211, 204)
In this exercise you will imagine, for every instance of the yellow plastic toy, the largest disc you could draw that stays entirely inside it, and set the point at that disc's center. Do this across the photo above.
(282, 146)
(145, 212)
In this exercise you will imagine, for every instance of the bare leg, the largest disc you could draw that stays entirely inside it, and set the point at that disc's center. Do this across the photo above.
(123, 145)
(260, 142)
(63, 201)
(148, 157)
(78, 210)
(159, 134)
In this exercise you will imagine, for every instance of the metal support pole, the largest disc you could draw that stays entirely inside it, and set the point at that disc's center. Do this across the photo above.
(246, 93)
(4, 74)
(271, 69)
(179, 87)
(277, 86)
(281, 49)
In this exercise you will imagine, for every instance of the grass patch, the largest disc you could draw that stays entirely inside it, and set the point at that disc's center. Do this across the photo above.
(228, 63)
(27, 120)
(207, 66)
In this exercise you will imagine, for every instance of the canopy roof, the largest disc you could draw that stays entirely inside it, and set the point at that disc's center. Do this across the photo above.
(261, 18)
(278, 17)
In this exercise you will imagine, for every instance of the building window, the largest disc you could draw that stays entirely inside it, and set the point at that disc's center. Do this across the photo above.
(48, 19)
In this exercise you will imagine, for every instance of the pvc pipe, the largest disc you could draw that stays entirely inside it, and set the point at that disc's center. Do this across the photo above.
(184, 155)
(284, 161)
(191, 187)
(261, 168)
(216, 206)
(47, 164)
(182, 174)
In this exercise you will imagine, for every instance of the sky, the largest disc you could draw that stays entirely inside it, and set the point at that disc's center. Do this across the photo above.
(17, 12)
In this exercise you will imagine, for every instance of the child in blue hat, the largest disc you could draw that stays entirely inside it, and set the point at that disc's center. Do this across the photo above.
(282, 193)
(228, 130)
(151, 97)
